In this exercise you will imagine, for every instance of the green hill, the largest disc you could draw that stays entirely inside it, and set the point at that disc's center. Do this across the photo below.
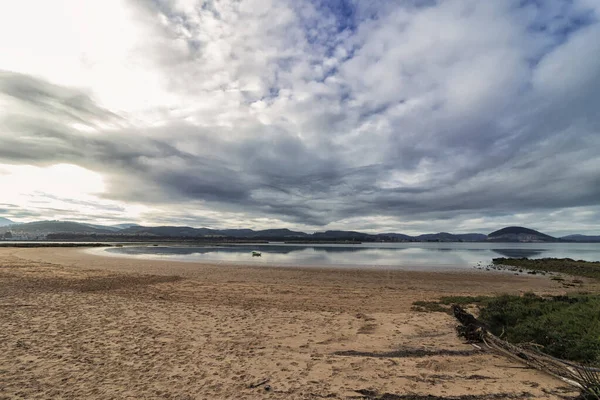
(519, 234)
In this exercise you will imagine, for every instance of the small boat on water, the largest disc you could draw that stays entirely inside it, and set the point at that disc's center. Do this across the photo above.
(256, 254)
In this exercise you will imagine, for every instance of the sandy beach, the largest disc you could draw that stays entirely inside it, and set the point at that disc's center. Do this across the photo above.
(74, 325)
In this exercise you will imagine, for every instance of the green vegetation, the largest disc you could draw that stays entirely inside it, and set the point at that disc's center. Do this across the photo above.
(566, 327)
(562, 265)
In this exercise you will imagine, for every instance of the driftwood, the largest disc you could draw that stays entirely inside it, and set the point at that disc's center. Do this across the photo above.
(585, 378)
(259, 383)
(470, 328)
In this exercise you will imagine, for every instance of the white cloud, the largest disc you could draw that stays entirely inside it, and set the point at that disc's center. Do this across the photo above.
(97, 46)
(58, 180)
(296, 112)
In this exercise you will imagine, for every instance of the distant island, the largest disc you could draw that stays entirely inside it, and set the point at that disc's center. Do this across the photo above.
(519, 234)
(76, 231)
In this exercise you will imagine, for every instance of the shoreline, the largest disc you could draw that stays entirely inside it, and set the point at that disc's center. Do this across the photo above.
(101, 252)
(94, 259)
(75, 325)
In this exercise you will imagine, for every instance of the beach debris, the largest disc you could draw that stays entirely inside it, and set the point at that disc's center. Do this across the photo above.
(513, 366)
(256, 254)
(260, 383)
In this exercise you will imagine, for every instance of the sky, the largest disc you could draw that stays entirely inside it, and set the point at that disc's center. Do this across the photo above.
(405, 116)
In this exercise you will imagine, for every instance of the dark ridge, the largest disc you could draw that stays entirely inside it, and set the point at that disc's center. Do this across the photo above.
(373, 395)
(45, 227)
(581, 238)
(407, 353)
(77, 231)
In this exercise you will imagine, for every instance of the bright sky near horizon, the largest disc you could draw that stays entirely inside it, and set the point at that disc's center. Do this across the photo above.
(406, 116)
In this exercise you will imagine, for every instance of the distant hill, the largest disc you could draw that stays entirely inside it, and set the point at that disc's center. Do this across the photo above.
(450, 237)
(186, 231)
(283, 233)
(396, 236)
(472, 237)
(174, 231)
(437, 237)
(519, 234)
(123, 226)
(266, 233)
(45, 227)
(5, 221)
(103, 227)
(342, 235)
(238, 233)
(581, 238)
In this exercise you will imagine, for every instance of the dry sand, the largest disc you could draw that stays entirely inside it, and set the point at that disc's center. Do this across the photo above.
(79, 326)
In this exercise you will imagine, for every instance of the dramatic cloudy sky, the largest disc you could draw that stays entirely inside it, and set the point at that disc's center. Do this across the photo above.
(377, 115)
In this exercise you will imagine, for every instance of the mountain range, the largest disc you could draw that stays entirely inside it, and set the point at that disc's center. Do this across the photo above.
(74, 230)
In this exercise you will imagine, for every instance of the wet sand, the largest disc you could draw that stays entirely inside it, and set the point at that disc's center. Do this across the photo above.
(75, 325)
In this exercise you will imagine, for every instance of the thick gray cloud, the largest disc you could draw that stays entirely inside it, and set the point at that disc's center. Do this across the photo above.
(454, 115)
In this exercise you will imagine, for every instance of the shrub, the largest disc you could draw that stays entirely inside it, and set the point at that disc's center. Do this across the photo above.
(567, 327)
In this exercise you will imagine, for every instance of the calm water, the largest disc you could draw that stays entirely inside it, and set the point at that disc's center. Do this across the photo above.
(371, 255)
